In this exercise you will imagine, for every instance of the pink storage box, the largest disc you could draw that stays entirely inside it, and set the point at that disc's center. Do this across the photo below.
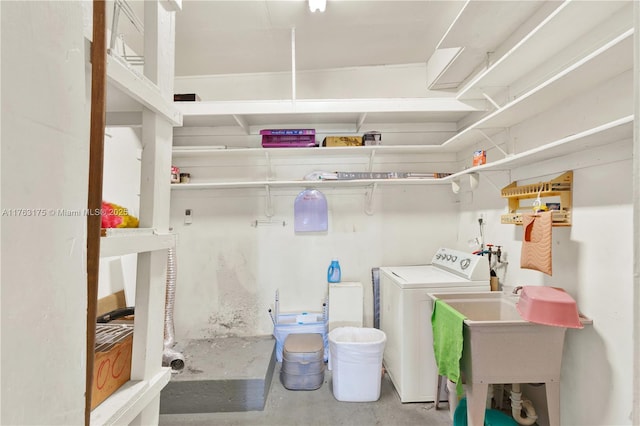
(548, 306)
(288, 141)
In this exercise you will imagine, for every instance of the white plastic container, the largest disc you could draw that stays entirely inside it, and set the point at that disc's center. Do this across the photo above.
(303, 362)
(356, 362)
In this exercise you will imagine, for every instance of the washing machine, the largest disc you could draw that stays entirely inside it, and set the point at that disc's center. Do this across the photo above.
(405, 315)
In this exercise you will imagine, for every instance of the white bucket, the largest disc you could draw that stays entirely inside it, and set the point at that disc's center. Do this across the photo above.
(356, 362)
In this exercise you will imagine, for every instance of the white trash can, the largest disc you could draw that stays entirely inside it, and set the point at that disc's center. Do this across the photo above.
(356, 363)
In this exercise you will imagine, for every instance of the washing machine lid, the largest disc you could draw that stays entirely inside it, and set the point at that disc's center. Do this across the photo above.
(428, 276)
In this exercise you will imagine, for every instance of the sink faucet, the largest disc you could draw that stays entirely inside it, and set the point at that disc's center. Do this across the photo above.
(517, 289)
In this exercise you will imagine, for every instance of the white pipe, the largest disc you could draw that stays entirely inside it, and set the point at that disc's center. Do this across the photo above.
(518, 405)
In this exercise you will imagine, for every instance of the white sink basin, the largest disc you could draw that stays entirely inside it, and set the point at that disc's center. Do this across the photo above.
(501, 347)
(487, 307)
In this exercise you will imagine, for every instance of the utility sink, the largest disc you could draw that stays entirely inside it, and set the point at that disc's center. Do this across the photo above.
(501, 347)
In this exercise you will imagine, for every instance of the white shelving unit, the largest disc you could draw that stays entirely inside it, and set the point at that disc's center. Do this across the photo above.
(557, 32)
(600, 56)
(605, 62)
(605, 134)
(143, 98)
(554, 52)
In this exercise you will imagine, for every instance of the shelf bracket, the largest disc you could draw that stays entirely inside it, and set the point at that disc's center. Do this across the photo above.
(242, 122)
(360, 121)
(493, 143)
(268, 209)
(491, 101)
(371, 157)
(368, 208)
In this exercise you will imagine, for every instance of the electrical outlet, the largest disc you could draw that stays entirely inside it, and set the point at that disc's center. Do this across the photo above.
(188, 217)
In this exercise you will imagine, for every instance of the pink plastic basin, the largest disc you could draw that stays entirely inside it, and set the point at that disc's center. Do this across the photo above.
(548, 306)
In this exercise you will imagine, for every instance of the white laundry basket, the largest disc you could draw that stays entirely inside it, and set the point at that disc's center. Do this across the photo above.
(356, 362)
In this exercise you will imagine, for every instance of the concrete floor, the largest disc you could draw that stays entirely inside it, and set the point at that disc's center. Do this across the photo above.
(319, 407)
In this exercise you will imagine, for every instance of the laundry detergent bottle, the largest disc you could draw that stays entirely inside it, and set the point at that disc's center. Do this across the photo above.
(333, 273)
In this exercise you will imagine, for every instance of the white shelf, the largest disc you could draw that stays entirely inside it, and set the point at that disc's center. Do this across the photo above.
(564, 26)
(129, 91)
(604, 134)
(346, 114)
(354, 183)
(606, 62)
(192, 151)
(469, 32)
(119, 242)
(128, 401)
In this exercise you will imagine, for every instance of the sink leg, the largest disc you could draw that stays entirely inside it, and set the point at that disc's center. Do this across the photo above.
(436, 400)
(553, 402)
(476, 403)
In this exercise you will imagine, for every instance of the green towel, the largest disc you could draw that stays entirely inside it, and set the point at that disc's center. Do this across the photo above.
(448, 340)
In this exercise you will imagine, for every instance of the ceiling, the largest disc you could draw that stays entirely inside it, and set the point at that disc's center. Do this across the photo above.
(223, 37)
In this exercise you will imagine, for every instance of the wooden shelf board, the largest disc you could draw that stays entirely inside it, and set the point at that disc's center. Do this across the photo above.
(129, 91)
(129, 400)
(119, 242)
(563, 219)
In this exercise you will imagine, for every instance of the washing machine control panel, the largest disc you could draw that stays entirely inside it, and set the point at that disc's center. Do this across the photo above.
(459, 262)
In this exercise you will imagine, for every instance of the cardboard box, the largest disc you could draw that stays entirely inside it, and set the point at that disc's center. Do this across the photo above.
(479, 158)
(372, 138)
(342, 141)
(111, 302)
(112, 362)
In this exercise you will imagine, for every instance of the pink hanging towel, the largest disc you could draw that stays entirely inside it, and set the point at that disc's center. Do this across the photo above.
(536, 242)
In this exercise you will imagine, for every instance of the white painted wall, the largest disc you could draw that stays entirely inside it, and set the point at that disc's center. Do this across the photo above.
(229, 268)
(45, 140)
(592, 260)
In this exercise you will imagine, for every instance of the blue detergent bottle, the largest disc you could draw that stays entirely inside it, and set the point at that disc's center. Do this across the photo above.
(333, 273)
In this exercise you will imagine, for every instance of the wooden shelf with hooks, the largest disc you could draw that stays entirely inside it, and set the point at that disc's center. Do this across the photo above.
(562, 187)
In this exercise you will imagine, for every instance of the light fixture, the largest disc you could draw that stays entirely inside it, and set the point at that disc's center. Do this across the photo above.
(317, 5)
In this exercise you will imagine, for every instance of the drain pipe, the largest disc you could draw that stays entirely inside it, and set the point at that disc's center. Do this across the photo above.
(171, 357)
(518, 405)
